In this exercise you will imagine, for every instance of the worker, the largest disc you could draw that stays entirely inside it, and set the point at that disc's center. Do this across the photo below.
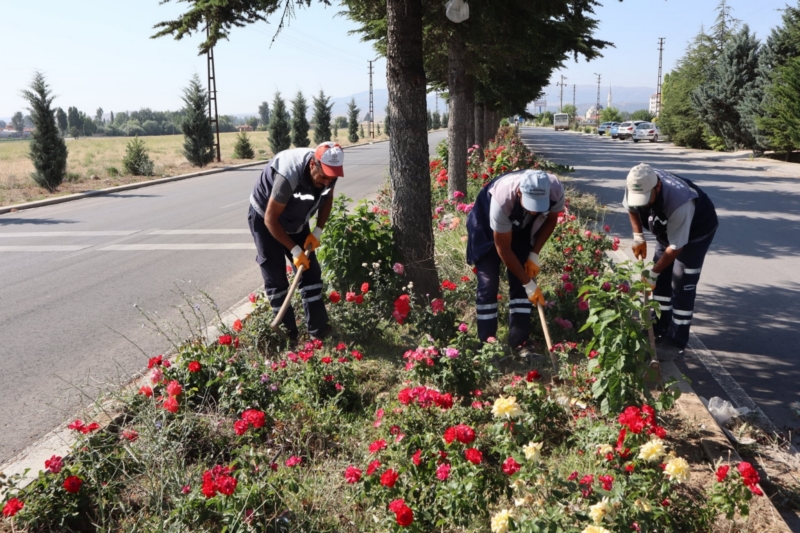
(511, 220)
(683, 220)
(295, 185)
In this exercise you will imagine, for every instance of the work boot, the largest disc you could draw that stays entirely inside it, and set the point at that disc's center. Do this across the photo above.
(668, 350)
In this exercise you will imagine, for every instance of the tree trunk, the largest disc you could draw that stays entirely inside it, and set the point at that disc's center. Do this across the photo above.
(408, 145)
(470, 113)
(457, 127)
(488, 120)
(480, 136)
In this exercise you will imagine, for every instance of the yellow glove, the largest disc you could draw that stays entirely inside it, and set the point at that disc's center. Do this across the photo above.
(534, 293)
(312, 241)
(532, 265)
(639, 246)
(300, 258)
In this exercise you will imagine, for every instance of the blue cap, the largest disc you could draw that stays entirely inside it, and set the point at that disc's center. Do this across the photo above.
(535, 189)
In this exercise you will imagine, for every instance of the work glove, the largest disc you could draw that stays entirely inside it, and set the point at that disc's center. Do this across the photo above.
(534, 293)
(650, 277)
(312, 241)
(300, 258)
(639, 246)
(532, 265)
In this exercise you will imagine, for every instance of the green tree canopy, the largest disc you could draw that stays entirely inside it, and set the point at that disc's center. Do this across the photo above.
(299, 121)
(48, 151)
(280, 131)
(198, 139)
(322, 118)
(610, 114)
(352, 121)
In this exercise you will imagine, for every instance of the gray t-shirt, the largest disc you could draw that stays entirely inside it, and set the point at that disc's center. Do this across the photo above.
(504, 198)
(678, 225)
(281, 190)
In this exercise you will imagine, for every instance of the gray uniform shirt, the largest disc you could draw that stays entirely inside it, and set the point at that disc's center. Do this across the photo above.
(504, 197)
(678, 225)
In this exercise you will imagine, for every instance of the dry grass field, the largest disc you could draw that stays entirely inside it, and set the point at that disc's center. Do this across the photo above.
(96, 163)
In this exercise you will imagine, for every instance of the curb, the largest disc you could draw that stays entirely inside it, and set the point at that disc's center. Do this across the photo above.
(29, 463)
(140, 184)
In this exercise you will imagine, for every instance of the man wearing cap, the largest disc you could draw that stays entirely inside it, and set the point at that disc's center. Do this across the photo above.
(683, 220)
(511, 220)
(295, 185)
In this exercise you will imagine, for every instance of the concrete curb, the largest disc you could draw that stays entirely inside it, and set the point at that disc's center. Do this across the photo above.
(30, 462)
(148, 183)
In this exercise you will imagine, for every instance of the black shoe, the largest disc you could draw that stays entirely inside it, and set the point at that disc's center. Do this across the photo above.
(669, 350)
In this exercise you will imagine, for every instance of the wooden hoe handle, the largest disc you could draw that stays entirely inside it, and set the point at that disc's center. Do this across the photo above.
(548, 340)
(288, 301)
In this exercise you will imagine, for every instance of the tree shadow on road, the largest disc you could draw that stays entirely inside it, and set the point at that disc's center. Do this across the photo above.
(34, 221)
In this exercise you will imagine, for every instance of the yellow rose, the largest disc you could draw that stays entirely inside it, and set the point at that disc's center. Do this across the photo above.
(599, 510)
(500, 521)
(652, 451)
(678, 469)
(604, 449)
(533, 451)
(642, 505)
(506, 407)
(595, 529)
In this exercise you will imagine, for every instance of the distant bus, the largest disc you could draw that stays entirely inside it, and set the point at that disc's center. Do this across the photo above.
(561, 121)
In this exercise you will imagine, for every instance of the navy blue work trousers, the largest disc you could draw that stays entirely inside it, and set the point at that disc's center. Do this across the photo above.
(676, 289)
(272, 256)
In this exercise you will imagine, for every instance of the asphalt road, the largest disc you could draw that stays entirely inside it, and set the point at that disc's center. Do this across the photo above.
(748, 300)
(71, 275)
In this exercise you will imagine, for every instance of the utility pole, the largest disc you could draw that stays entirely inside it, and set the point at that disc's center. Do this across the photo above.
(371, 123)
(212, 94)
(574, 107)
(658, 85)
(561, 98)
(597, 109)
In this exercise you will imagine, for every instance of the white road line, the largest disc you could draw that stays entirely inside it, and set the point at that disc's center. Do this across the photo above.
(200, 246)
(234, 204)
(71, 248)
(69, 233)
(200, 232)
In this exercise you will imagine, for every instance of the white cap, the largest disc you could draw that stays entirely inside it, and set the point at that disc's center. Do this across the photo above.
(535, 188)
(331, 158)
(641, 180)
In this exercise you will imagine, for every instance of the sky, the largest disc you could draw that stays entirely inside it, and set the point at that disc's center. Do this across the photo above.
(95, 55)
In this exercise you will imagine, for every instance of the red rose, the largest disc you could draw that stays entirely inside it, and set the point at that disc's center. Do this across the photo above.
(254, 417)
(225, 484)
(377, 446)
(437, 305)
(293, 461)
(449, 435)
(13, 506)
(373, 466)
(253, 297)
(607, 481)
(749, 474)
(350, 297)
(54, 464)
(443, 471)
(174, 388)
(510, 466)
(341, 347)
(360, 299)
(130, 435)
(326, 360)
(225, 340)
(147, 391)
(171, 404)
(404, 396)
(722, 473)
(389, 478)
(352, 474)
(240, 427)
(365, 287)
(237, 326)
(533, 375)
(195, 366)
(417, 457)
(335, 297)
(464, 434)
(405, 516)
(358, 356)
(73, 484)
(155, 361)
(473, 455)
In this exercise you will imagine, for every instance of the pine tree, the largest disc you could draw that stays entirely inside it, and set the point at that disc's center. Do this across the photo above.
(445, 119)
(733, 75)
(243, 149)
(436, 120)
(48, 151)
(299, 121)
(352, 115)
(280, 133)
(378, 126)
(263, 114)
(361, 131)
(335, 131)
(387, 122)
(783, 119)
(110, 120)
(322, 118)
(136, 161)
(198, 139)
(430, 120)
(61, 120)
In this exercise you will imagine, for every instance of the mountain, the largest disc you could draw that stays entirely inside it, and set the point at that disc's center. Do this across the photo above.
(623, 98)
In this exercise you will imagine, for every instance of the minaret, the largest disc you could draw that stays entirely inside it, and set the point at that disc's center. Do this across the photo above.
(609, 97)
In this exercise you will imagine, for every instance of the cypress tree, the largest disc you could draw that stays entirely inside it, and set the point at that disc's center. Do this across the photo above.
(378, 126)
(263, 114)
(61, 120)
(387, 121)
(436, 120)
(299, 122)
(352, 115)
(280, 133)
(430, 120)
(243, 149)
(198, 139)
(322, 118)
(136, 160)
(445, 120)
(48, 151)
(361, 131)
(731, 78)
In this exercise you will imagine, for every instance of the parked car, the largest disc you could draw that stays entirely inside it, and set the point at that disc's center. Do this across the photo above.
(646, 131)
(614, 130)
(626, 129)
(561, 121)
(605, 127)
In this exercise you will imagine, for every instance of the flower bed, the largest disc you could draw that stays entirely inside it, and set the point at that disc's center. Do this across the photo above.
(403, 422)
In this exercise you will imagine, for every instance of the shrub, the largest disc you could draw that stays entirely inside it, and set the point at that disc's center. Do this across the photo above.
(198, 144)
(48, 151)
(136, 160)
(112, 171)
(243, 149)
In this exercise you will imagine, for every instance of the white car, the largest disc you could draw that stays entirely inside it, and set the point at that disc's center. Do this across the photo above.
(626, 129)
(606, 127)
(646, 131)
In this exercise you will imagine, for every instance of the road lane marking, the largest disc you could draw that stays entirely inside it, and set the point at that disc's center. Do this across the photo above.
(235, 204)
(65, 248)
(69, 233)
(200, 246)
(200, 232)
